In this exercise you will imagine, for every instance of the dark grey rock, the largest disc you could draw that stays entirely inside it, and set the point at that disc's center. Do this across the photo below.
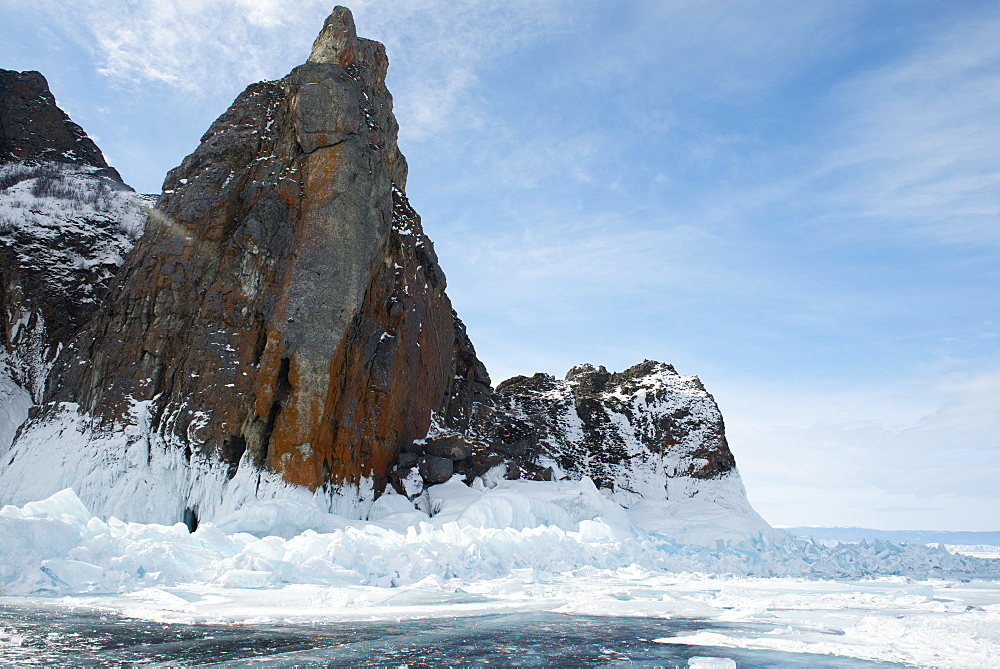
(34, 128)
(406, 460)
(416, 446)
(453, 447)
(435, 469)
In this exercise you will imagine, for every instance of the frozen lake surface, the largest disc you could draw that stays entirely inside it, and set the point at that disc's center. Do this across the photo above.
(64, 636)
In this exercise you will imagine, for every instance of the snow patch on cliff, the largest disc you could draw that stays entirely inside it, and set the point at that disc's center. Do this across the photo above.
(67, 228)
(52, 199)
(15, 401)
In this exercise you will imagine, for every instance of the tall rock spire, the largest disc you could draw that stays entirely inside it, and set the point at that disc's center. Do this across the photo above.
(338, 41)
(284, 312)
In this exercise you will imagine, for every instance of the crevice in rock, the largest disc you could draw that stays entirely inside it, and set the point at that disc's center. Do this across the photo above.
(232, 451)
(261, 343)
(347, 136)
(282, 389)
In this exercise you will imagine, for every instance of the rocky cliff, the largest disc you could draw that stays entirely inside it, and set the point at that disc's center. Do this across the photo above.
(282, 329)
(66, 222)
(34, 129)
(284, 311)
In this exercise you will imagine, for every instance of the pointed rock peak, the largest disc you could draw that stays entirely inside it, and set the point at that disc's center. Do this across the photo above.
(589, 380)
(338, 40)
(582, 370)
(34, 128)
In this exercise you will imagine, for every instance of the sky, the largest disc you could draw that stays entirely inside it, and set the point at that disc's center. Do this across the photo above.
(796, 201)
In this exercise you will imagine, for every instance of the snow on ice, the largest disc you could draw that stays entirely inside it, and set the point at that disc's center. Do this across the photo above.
(517, 546)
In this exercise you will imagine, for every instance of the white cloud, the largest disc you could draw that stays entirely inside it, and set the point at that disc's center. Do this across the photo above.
(561, 260)
(436, 49)
(191, 45)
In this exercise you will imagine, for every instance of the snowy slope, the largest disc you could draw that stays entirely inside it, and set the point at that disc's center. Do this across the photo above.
(15, 400)
(64, 232)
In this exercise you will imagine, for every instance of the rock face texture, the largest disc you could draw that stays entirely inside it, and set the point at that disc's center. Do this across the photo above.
(66, 223)
(284, 309)
(282, 327)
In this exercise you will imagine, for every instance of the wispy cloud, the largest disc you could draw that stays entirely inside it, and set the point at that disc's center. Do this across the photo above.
(193, 46)
(437, 49)
(918, 148)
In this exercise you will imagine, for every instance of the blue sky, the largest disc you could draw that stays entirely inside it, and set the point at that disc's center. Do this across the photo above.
(797, 201)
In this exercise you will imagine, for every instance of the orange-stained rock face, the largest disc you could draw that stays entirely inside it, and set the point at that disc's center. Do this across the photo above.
(396, 364)
(284, 308)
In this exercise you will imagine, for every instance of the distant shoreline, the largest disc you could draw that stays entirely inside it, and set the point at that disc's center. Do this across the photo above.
(855, 534)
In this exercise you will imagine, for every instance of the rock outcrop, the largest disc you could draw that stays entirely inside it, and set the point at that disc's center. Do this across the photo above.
(282, 328)
(66, 222)
(34, 129)
(645, 433)
(284, 311)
